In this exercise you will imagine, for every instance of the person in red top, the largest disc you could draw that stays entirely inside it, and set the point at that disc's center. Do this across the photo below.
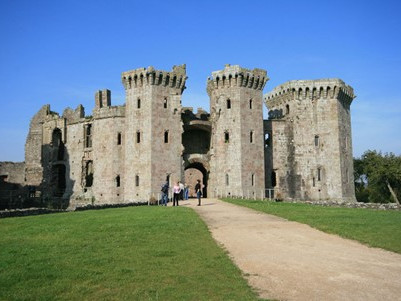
(176, 191)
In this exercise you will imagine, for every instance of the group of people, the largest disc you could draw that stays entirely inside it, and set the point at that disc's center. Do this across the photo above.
(180, 191)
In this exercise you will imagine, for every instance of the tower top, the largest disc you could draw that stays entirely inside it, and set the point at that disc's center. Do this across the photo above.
(237, 76)
(150, 76)
(310, 89)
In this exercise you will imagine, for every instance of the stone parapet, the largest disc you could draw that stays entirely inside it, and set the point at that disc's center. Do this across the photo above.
(236, 76)
(149, 76)
(309, 89)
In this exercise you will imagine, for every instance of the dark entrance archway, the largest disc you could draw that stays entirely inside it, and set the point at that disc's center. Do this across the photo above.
(193, 172)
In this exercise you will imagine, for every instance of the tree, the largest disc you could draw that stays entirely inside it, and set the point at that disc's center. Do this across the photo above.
(382, 182)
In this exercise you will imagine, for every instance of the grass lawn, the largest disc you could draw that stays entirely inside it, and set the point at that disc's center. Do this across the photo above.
(132, 253)
(375, 228)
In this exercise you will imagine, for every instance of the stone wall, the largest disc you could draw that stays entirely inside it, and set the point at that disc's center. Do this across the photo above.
(13, 172)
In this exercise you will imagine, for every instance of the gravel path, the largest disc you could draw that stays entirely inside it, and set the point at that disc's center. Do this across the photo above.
(286, 260)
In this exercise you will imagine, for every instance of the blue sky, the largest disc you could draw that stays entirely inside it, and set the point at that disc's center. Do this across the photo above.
(61, 52)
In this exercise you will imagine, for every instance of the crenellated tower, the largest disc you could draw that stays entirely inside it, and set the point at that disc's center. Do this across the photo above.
(309, 148)
(237, 155)
(153, 148)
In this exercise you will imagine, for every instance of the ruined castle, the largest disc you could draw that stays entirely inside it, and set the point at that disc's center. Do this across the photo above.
(122, 154)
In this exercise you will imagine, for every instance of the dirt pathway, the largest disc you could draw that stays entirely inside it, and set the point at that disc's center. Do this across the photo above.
(286, 260)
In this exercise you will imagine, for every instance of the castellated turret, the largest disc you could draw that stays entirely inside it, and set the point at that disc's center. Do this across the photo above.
(308, 144)
(237, 153)
(153, 148)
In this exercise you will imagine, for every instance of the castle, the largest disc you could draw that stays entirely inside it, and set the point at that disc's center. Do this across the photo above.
(123, 154)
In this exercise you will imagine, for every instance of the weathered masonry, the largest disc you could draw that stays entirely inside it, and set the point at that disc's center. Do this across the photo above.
(123, 154)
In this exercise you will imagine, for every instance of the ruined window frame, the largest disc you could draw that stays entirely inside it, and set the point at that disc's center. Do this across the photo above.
(88, 135)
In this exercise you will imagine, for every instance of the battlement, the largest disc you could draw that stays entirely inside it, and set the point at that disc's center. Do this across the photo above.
(236, 76)
(310, 89)
(149, 76)
(102, 98)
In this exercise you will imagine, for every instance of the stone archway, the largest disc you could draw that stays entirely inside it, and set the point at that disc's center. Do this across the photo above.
(193, 172)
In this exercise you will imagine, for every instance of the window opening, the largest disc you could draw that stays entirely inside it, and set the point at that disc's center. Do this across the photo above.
(251, 137)
(226, 137)
(250, 104)
(228, 104)
(166, 137)
(227, 180)
(118, 138)
(165, 103)
(88, 135)
(118, 181)
(287, 109)
(88, 174)
(313, 182)
(138, 137)
(267, 140)
(253, 179)
(317, 140)
(274, 180)
(136, 180)
(138, 103)
(319, 174)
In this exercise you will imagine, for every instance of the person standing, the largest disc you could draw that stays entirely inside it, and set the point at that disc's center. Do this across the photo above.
(176, 191)
(198, 190)
(181, 190)
(165, 193)
(186, 192)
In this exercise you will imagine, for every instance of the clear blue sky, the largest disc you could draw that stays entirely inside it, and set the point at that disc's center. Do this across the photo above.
(61, 52)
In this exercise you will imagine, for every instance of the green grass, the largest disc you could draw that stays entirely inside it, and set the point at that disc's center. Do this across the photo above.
(375, 228)
(135, 253)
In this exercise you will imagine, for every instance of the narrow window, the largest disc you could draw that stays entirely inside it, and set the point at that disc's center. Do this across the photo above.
(118, 181)
(228, 104)
(313, 182)
(346, 176)
(317, 140)
(88, 135)
(251, 136)
(165, 103)
(287, 109)
(138, 103)
(165, 136)
(319, 174)
(118, 138)
(226, 137)
(136, 180)
(227, 180)
(88, 174)
(267, 140)
(253, 179)
(250, 104)
(138, 137)
(274, 180)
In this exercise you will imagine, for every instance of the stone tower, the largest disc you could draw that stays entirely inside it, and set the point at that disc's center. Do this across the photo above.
(308, 146)
(237, 152)
(153, 149)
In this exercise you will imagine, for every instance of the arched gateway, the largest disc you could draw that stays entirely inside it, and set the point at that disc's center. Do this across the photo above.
(196, 142)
